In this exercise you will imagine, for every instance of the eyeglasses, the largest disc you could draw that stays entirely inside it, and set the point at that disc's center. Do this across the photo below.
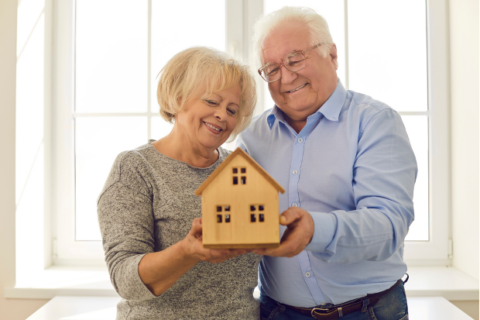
(294, 61)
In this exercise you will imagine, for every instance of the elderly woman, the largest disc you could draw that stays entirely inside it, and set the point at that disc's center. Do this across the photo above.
(149, 215)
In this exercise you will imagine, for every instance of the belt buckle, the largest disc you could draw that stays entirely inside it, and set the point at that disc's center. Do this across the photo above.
(324, 308)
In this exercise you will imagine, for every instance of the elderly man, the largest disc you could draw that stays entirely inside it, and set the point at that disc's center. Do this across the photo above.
(349, 171)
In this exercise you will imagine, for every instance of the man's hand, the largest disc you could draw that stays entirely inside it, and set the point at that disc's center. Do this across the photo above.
(299, 232)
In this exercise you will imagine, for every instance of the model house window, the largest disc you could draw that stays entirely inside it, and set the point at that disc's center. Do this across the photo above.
(257, 211)
(223, 212)
(239, 177)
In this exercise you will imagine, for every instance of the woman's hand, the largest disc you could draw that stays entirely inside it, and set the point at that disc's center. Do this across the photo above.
(193, 246)
(160, 270)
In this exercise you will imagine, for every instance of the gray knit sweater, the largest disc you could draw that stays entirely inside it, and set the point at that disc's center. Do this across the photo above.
(147, 205)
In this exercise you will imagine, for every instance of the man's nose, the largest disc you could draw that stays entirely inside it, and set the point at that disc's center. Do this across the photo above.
(287, 75)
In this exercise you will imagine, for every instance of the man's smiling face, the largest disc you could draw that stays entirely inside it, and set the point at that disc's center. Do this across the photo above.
(299, 94)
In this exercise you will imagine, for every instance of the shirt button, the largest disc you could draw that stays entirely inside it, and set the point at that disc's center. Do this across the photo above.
(307, 274)
(300, 140)
(294, 172)
(294, 205)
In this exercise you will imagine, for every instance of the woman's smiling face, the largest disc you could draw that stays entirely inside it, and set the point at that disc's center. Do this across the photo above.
(207, 120)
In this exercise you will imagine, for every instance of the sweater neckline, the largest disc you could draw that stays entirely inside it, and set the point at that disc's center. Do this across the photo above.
(213, 165)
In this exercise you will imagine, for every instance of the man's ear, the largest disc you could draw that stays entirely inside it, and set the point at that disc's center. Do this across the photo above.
(333, 55)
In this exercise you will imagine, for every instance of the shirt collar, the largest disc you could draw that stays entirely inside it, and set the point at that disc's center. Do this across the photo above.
(275, 113)
(330, 109)
(334, 104)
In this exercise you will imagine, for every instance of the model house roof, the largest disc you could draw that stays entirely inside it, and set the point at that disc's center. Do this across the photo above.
(238, 152)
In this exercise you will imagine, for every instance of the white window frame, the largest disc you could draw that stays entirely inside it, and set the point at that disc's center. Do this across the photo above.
(66, 251)
(240, 15)
(436, 250)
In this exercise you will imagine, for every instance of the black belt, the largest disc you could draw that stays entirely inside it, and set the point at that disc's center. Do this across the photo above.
(338, 311)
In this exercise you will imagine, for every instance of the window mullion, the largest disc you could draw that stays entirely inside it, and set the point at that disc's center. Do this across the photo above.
(234, 28)
(149, 72)
(414, 113)
(345, 19)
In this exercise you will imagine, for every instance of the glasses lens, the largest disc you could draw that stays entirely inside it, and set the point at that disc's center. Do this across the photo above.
(271, 72)
(296, 61)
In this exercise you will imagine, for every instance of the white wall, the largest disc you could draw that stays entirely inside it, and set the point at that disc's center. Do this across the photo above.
(10, 309)
(464, 71)
(464, 54)
(32, 137)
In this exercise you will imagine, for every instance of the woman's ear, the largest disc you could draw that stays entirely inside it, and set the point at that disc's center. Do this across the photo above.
(179, 103)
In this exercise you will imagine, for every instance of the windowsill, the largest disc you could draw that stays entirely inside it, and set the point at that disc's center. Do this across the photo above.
(64, 280)
(449, 283)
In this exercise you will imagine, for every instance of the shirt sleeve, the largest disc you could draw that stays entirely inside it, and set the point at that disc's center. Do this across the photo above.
(127, 227)
(384, 174)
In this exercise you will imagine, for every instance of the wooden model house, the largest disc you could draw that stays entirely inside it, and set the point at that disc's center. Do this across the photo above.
(240, 205)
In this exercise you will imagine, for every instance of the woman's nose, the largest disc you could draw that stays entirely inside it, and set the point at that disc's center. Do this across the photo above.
(220, 114)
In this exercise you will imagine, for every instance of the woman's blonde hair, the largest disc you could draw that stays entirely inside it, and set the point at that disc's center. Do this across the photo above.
(211, 70)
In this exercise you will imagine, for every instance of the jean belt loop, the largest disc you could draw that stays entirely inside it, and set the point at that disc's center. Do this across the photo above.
(406, 280)
(365, 304)
(273, 313)
(281, 307)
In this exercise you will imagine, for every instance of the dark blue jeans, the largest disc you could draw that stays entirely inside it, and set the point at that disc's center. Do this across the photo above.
(392, 306)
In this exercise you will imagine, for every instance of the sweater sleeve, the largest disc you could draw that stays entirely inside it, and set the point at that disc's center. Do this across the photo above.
(127, 227)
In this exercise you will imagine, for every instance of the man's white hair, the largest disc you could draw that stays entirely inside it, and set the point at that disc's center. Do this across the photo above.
(315, 23)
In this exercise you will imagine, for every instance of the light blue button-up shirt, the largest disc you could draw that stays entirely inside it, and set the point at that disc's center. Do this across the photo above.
(353, 169)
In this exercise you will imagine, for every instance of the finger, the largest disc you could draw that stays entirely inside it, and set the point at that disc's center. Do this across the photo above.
(259, 251)
(196, 226)
(270, 252)
(239, 252)
(291, 244)
(197, 223)
(285, 249)
(217, 256)
(217, 253)
(289, 216)
(280, 251)
(234, 253)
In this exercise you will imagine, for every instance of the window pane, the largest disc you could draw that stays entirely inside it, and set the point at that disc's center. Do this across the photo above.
(333, 12)
(180, 24)
(387, 54)
(111, 55)
(98, 142)
(417, 129)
